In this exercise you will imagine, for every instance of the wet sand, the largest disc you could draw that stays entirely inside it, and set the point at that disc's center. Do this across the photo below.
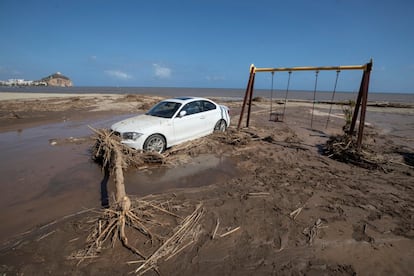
(367, 215)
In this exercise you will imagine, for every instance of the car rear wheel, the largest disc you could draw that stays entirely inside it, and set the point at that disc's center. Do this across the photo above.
(155, 143)
(221, 126)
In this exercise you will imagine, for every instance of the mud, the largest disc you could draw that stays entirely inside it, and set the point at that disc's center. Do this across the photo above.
(42, 171)
(298, 211)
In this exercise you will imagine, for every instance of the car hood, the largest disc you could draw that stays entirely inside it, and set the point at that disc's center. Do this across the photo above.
(139, 123)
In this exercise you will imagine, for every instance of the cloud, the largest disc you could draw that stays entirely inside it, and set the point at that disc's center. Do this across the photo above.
(117, 74)
(161, 72)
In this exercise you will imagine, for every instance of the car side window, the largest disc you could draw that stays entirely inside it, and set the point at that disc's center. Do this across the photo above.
(207, 106)
(193, 108)
(164, 109)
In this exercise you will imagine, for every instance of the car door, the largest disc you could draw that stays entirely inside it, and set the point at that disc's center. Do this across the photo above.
(211, 115)
(191, 125)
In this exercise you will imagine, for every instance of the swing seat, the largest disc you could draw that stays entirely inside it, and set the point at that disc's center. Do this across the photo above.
(276, 117)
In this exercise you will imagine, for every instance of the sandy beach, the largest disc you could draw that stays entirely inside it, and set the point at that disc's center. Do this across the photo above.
(277, 204)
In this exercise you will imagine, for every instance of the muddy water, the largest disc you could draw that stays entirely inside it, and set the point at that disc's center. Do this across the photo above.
(203, 170)
(41, 183)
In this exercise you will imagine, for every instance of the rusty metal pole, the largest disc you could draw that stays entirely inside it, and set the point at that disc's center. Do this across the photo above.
(367, 73)
(246, 96)
(250, 100)
(357, 104)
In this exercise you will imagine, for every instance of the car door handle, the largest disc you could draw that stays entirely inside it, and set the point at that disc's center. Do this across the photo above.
(202, 117)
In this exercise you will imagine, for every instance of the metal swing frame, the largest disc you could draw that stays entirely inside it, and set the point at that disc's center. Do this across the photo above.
(361, 102)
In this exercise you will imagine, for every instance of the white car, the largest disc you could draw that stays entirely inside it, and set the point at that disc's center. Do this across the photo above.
(171, 122)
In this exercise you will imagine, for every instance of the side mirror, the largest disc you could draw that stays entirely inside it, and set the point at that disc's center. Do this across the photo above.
(182, 113)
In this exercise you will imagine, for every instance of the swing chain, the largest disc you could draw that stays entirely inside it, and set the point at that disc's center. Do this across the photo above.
(286, 96)
(314, 96)
(333, 96)
(271, 97)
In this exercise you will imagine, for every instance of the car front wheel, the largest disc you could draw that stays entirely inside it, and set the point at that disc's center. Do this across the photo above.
(155, 143)
(220, 126)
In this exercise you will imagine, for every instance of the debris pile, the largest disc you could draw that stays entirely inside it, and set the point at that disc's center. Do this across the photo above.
(344, 148)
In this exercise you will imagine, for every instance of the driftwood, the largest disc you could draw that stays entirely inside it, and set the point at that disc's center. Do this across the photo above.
(245, 136)
(115, 157)
(215, 229)
(108, 148)
(234, 137)
(344, 148)
(293, 215)
(187, 233)
(138, 215)
(312, 232)
(230, 232)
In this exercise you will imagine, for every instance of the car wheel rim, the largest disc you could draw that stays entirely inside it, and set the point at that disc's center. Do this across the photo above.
(155, 144)
(222, 126)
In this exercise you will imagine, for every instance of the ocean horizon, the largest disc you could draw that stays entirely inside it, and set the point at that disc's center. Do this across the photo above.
(232, 93)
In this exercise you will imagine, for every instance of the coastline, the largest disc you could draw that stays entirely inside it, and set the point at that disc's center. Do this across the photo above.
(5, 96)
(229, 93)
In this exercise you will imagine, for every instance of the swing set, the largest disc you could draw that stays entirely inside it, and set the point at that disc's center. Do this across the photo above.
(360, 102)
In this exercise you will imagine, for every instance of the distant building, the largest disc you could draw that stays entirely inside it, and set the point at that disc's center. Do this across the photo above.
(18, 82)
(57, 79)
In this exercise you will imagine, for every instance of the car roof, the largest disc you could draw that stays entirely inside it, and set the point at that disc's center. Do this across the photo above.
(184, 100)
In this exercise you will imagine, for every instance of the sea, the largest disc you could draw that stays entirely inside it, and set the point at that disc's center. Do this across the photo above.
(223, 93)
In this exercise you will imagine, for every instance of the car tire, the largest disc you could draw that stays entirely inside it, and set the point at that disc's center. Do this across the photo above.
(220, 126)
(155, 143)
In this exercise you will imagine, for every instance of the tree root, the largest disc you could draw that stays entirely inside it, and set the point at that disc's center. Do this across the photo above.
(113, 155)
(112, 225)
(138, 216)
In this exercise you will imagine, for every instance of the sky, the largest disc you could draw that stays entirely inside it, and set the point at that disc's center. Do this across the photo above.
(210, 43)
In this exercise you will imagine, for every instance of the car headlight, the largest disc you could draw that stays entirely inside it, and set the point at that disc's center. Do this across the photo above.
(131, 135)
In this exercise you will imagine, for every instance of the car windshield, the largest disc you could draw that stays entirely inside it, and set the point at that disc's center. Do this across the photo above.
(164, 109)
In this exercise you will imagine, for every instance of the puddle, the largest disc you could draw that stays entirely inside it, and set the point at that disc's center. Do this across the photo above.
(41, 183)
(204, 170)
